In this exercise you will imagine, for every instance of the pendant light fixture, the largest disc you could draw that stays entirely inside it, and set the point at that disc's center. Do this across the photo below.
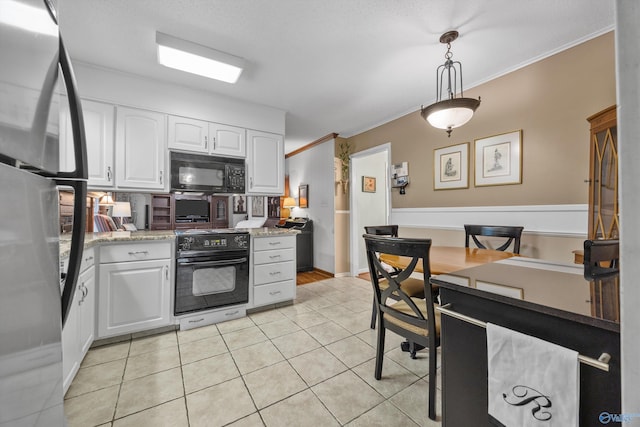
(449, 112)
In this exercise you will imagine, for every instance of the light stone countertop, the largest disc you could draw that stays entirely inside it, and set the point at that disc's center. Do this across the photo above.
(93, 239)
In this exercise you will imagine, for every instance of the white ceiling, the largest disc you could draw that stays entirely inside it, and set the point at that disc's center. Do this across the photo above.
(341, 66)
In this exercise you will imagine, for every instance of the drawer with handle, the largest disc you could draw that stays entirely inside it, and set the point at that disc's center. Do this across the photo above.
(269, 273)
(279, 255)
(274, 292)
(135, 252)
(276, 242)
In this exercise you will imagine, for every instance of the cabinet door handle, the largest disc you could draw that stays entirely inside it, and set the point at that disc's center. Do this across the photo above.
(206, 143)
(273, 293)
(274, 243)
(250, 182)
(108, 173)
(88, 259)
(214, 142)
(274, 256)
(166, 272)
(275, 273)
(232, 313)
(161, 172)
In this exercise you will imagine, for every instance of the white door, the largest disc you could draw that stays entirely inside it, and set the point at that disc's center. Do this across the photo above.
(227, 140)
(188, 134)
(134, 296)
(368, 208)
(265, 163)
(140, 149)
(98, 127)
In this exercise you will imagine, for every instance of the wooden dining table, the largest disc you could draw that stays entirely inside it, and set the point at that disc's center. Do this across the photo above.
(447, 259)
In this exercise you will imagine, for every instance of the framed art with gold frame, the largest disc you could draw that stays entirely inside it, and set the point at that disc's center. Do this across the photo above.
(498, 159)
(451, 167)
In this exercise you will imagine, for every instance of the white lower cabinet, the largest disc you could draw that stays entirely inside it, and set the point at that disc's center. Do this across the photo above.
(135, 288)
(273, 265)
(79, 330)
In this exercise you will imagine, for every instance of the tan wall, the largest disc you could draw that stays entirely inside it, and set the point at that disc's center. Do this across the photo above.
(549, 100)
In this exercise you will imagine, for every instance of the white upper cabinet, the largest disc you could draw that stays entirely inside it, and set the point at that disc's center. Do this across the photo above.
(188, 134)
(205, 137)
(98, 126)
(227, 140)
(140, 149)
(265, 163)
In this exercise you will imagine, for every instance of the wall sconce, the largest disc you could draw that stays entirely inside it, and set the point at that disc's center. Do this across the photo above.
(451, 112)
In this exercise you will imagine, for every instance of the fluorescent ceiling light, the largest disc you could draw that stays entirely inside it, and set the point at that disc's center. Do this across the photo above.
(27, 17)
(197, 59)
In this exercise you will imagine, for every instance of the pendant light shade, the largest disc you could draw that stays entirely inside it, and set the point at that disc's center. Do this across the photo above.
(450, 112)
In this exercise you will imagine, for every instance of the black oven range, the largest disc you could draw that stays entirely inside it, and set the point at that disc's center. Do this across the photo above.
(212, 269)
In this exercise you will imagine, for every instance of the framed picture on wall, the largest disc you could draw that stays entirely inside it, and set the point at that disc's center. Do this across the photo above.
(368, 184)
(273, 207)
(498, 159)
(303, 196)
(257, 206)
(451, 167)
(239, 205)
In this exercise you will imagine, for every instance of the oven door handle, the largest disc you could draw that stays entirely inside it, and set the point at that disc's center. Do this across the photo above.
(214, 263)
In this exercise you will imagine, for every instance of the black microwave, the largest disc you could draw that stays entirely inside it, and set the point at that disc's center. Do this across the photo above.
(207, 174)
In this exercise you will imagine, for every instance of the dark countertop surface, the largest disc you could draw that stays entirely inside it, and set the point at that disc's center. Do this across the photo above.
(553, 288)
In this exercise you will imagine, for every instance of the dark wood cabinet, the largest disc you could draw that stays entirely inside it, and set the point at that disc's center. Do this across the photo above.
(603, 176)
(163, 212)
(161, 215)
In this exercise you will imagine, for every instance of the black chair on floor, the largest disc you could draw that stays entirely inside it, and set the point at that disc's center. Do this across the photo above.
(413, 288)
(512, 233)
(601, 257)
(412, 318)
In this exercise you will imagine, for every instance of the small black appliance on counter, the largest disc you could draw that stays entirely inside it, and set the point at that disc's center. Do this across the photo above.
(304, 241)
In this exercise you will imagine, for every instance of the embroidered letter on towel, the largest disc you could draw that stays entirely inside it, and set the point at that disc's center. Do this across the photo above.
(531, 382)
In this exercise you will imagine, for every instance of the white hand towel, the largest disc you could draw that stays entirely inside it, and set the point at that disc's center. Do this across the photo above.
(531, 382)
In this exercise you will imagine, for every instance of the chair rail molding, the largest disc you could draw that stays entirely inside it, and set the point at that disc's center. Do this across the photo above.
(557, 220)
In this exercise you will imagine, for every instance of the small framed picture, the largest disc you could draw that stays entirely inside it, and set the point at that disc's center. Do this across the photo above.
(303, 196)
(257, 206)
(368, 184)
(239, 205)
(498, 159)
(451, 167)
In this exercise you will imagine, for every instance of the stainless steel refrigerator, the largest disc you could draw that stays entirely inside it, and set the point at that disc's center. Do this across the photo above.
(34, 294)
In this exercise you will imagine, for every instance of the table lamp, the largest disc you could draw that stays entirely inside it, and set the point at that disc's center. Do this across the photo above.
(121, 210)
(289, 203)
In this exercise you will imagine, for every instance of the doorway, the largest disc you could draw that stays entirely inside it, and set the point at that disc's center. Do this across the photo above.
(369, 204)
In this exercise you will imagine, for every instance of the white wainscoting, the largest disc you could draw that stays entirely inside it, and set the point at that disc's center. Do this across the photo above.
(557, 220)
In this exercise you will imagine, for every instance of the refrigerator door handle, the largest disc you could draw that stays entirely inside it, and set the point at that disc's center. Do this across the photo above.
(77, 120)
(79, 184)
(77, 244)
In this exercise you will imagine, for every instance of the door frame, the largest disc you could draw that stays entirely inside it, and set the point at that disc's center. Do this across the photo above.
(356, 232)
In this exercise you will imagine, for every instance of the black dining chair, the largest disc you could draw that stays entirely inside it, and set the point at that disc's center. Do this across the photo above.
(512, 233)
(601, 257)
(412, 318)
(413, 288)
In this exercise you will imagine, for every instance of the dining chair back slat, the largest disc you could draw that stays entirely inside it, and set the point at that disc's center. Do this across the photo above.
(512, 233)
(601, 256)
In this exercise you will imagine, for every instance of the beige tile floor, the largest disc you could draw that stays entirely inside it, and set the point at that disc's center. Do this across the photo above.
(306, 364)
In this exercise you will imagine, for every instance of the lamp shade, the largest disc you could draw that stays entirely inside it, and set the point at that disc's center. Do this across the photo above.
(121, 209)
(106, 200)
(289, 202)
(450, 113)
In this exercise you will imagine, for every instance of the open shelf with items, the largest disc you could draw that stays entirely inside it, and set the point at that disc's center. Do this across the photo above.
(161, 212)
